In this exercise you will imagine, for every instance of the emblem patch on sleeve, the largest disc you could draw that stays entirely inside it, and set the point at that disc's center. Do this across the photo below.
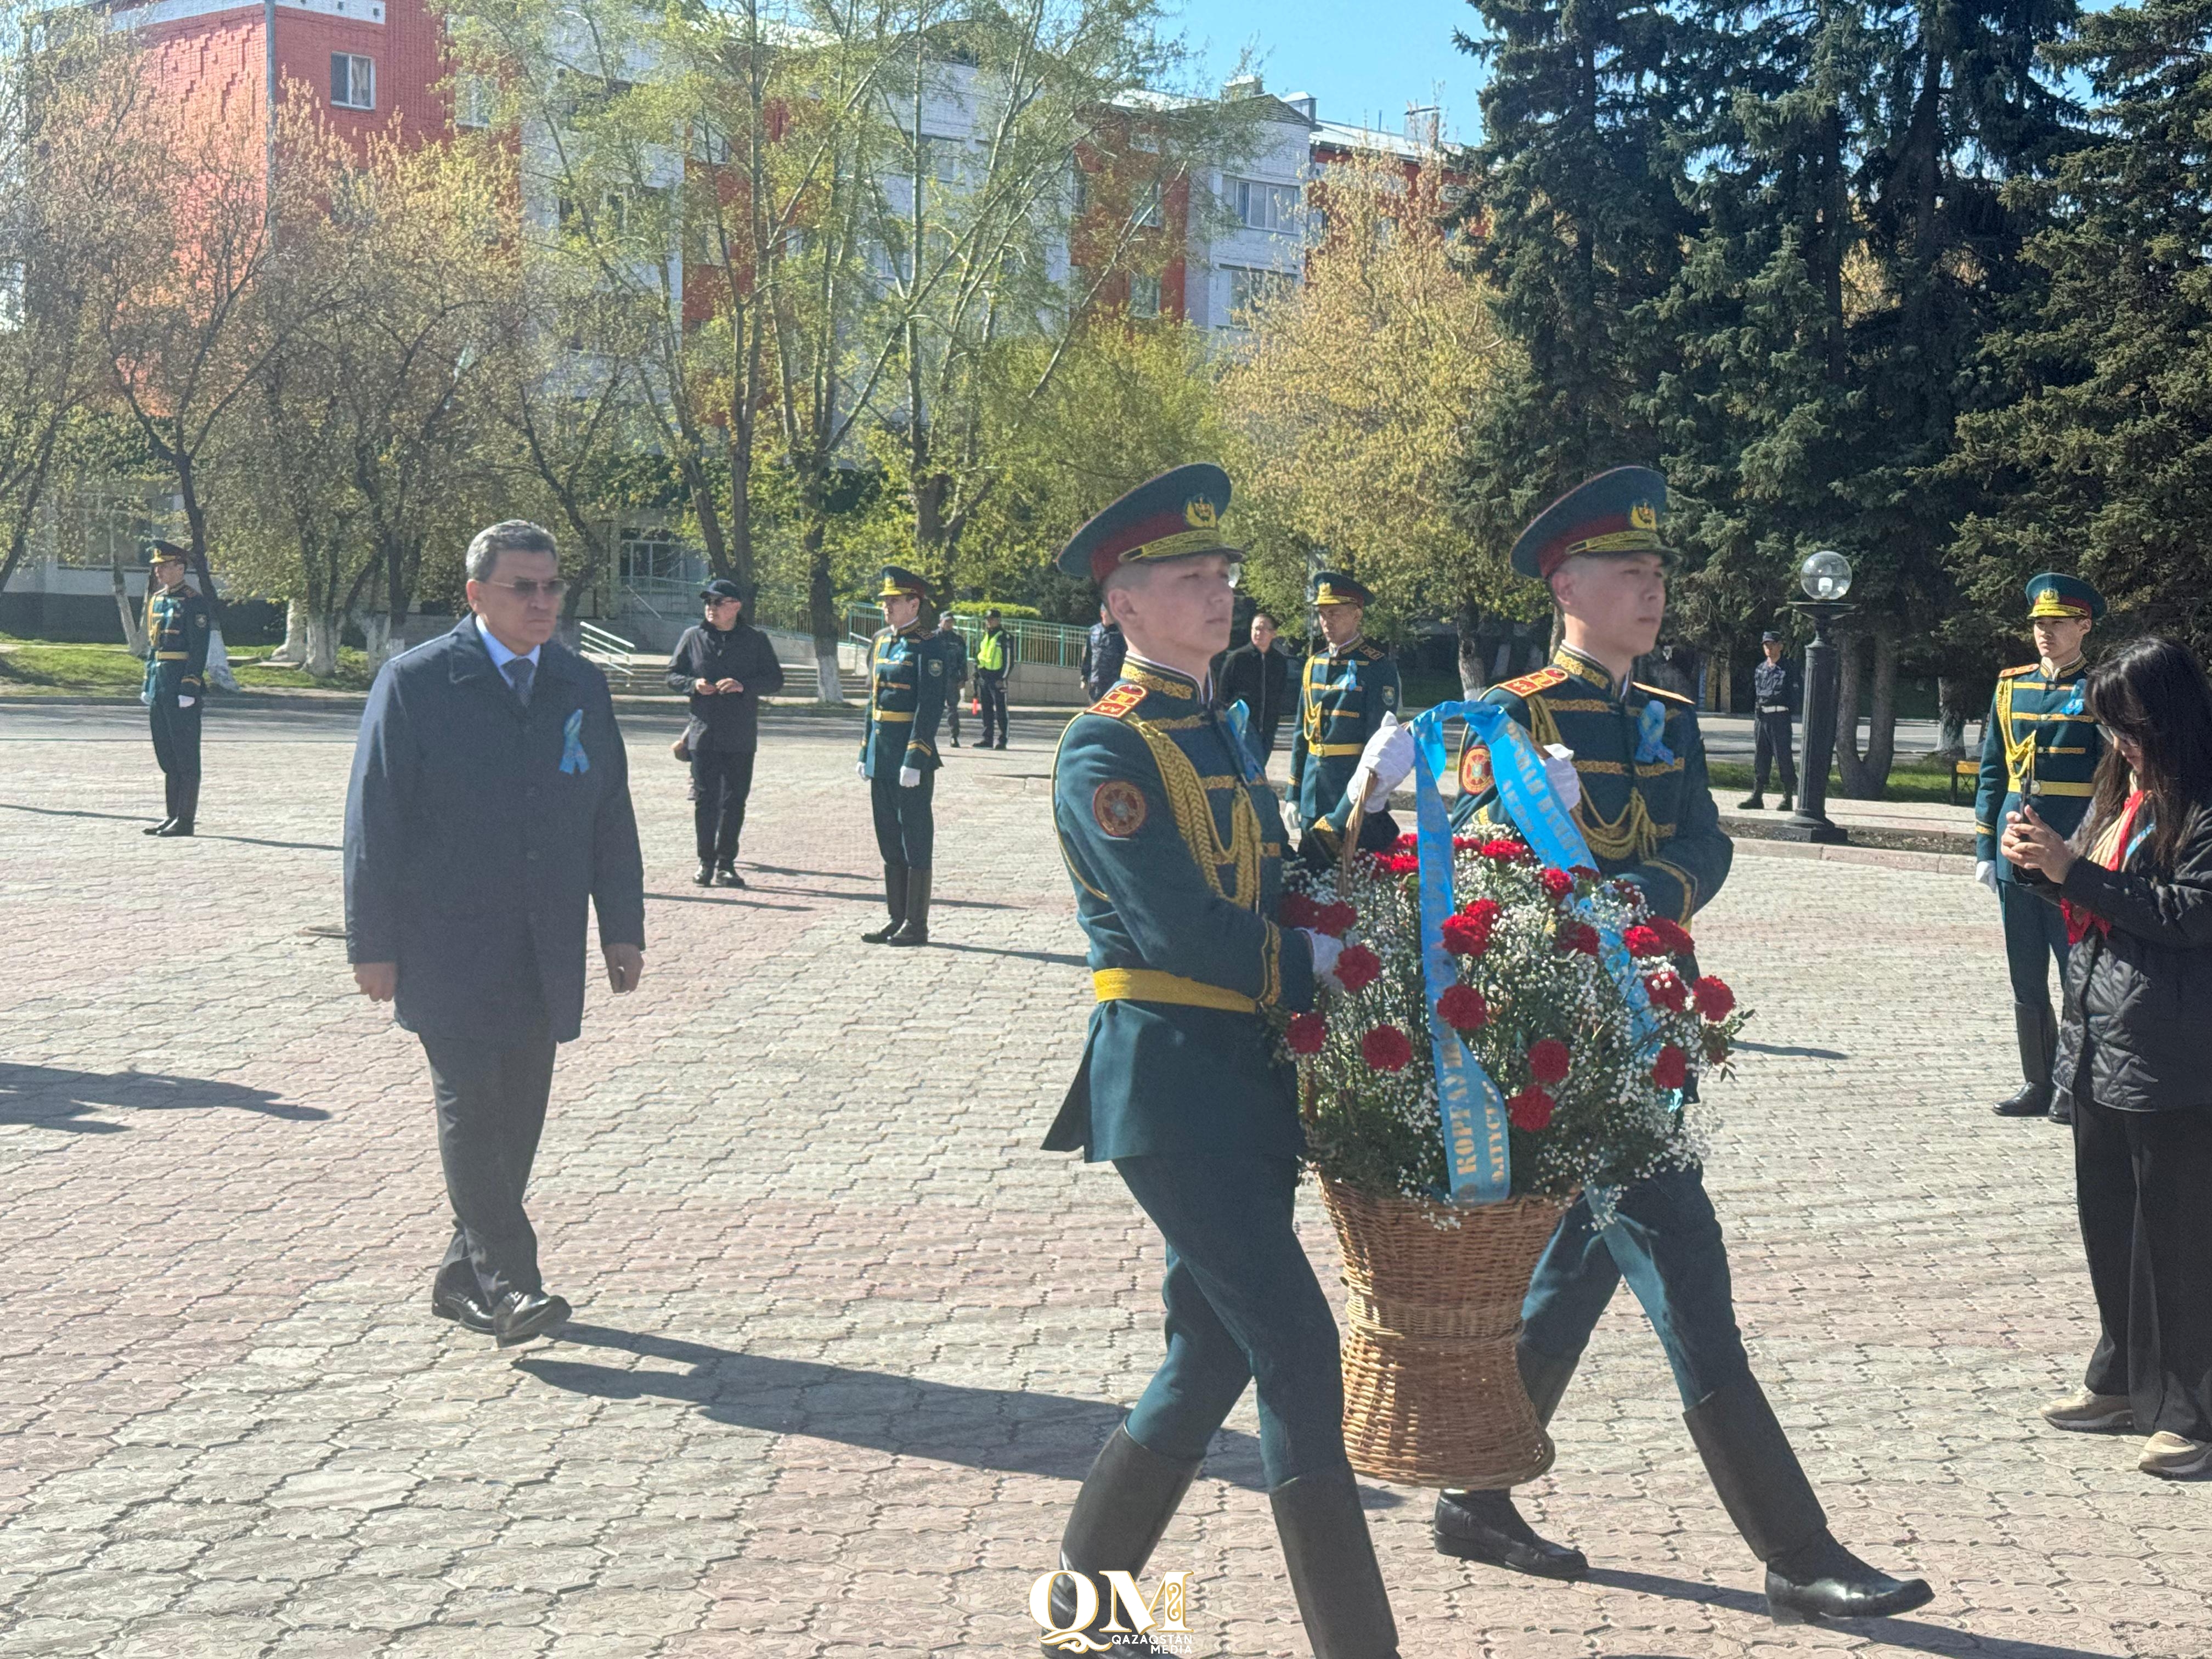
(1475, 769)
(935, 667)
(1119, 807)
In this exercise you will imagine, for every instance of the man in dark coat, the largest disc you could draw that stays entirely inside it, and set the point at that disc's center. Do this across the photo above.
(1775, 692)
(1259, 676)
(490, 802)
(1104, 649)
(727, 666)
(955, 674)
(177, 621)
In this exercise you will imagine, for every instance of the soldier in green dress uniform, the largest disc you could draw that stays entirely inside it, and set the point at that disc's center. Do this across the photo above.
(907, 683)
(1345, 695)
(2038, 744)
(1175, 844)
(177, 621)
(1634, 777)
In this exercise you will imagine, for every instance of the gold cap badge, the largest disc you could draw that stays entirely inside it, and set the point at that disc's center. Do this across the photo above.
(1198, 512)
(1644, 516)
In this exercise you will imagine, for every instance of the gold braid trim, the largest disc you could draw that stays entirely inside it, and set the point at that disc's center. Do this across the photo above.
(1270, 966)
(1632, 837)
(2019, 755)
(1194, 817)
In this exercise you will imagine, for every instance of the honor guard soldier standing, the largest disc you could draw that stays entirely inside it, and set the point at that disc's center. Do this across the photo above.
(176, 684)
(1346, 695)
(1774, 693)
(907, 683)
(1175, 844)
(2038, 744)
(1639, 794)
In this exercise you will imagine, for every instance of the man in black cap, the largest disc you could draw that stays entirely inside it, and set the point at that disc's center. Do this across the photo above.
(176, 681)
(955, 674)
(1774, 693)
(994, 659)
(727, 666)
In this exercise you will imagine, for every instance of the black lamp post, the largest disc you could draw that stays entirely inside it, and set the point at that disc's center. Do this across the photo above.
(1825, 578)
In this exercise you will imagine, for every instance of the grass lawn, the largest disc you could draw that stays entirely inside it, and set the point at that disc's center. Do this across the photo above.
(46, 668)
(1922, 781)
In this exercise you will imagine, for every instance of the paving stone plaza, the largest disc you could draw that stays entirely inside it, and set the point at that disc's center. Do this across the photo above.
(846, 1340)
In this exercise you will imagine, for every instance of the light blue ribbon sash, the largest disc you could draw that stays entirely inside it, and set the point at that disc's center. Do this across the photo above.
(573, 757)
(1477, 1155)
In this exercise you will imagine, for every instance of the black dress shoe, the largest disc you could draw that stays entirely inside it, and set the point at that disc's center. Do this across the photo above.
(706, 876)
(725, 875)
(176, 827)
(464, 1307)
(522, 1315)
(157, 828)
(1821, 1579)
(1484, 1525)
(2033, 1100)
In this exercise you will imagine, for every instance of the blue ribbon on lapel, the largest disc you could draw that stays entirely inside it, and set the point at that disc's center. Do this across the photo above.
(1238, 719)
(1651, 731)
(573, 757)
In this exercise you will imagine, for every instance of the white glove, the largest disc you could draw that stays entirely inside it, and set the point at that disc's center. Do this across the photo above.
(1985, 872)
(909, 777)
(187, 703)
(1383, 763)
(1559, 772)
(1289, 815)
(1325, 951)
(859, 768)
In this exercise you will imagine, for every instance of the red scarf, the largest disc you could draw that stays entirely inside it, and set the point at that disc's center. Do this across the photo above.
(2111, 851)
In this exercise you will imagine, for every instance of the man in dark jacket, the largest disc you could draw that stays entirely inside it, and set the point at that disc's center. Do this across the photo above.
(1259, 676)
(727, 666)
(955, 674)
(489, 803)
(1103, 653)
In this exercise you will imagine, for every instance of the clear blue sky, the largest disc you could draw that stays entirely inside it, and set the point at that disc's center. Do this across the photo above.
(1359, 57)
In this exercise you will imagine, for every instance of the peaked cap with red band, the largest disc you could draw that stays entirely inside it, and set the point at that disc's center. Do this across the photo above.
(1177, 515)
(1615, 514)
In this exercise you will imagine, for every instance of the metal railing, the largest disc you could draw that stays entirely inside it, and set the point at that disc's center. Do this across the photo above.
(610, 651)
(1055, 644)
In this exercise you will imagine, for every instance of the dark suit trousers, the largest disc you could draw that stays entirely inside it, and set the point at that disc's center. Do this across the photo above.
(1770, 742)
(177, 747)
(2140, 1180)
(1243, 1308)
(491, 1109)
(991, 692)
(906, 819)
(720, 781)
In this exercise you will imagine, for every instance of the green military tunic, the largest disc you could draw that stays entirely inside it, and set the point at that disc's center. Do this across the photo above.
(178, 625)
(908, 681)
(1647, 810)
(2039, 741)
(1175, 844)
(1343, 695)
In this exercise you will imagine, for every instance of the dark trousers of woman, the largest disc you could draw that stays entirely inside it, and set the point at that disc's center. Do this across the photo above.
(719, 783)
(2142, 1180)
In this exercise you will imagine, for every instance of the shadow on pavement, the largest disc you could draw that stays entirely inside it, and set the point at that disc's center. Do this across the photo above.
(1004, 1430)
(57, 1099)
(1783, 1048)
(1907, 1633)
(725, 898)
(1058, 959)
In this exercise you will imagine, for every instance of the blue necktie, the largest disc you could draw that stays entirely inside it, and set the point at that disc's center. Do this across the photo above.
(520, 671)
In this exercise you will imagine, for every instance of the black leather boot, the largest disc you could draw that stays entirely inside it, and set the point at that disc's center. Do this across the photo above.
(1485, 1526)
(1127, 1499)
(1332, 1563)
(2037, 1033)
(894, 896)
(915, 929)
(1788, 803)
(1752, 804)
(1760, 1479)
(726, 874)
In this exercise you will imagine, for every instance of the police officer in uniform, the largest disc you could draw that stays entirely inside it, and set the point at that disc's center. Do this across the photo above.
(1175, 844)
(908, 682)
(994, 661)
(1644, 807)
(176, 684)
(1346, 695)
(2038, 744)
(1774, 693)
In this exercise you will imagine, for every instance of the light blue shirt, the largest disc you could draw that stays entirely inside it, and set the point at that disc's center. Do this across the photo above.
(501, 656)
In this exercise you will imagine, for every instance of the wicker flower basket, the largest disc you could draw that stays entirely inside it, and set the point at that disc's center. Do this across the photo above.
(1432, 1396)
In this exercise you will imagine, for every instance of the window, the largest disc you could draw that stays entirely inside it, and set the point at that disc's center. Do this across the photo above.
(1144, 296)
(1248, 288)
(1260, 206)
(474, 99)
(1148, 203)
(1078, 190)
(353, 80)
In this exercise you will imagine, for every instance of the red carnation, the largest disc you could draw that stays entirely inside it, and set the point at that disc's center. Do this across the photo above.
(1358, 967)
(1462, 1008)
(1715, 1000)
(1297, 910)
(1675, 936)
(1557, 883)
(1466, 843)
(1548, 1060)
(1386, 1048)
(1577, 936)
(1583, 872)
(1408, 841)
(1644, 942)
(1334, 918)
(1670, 1068)
(1668, 992)
(1503, 850)
(1484, 910)
(1464, 936)
(1307, 1033)
(1530, 1110)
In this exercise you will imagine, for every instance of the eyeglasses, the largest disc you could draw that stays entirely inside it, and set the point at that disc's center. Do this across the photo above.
(2112, 736)
(528, 591)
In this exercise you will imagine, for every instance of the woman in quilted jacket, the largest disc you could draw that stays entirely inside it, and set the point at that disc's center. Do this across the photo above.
(2135, 884)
